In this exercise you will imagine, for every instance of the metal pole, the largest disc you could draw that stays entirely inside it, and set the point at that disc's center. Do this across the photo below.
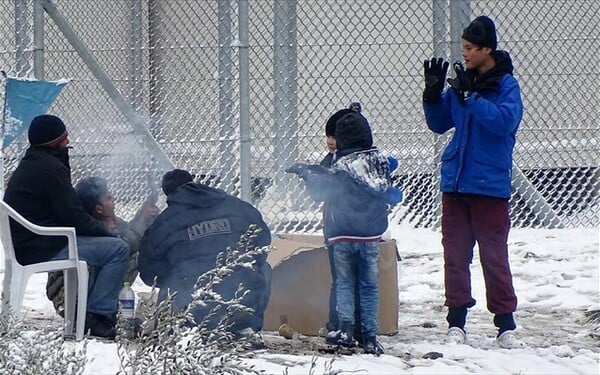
(38, 40)
(155, 61)
(124, 107)
(226, 127)
(137, 86)
(460, 14)
(21, 63)
(245, 140)
(440, 49)
(286, 86)
(3, 73)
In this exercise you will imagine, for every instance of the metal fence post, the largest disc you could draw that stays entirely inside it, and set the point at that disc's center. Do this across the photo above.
(38, 40)
(285, 74)
(440, 49)
(460, 13)
(21, 40)
(156, 64)
(245, 140)
(136, 42)
(226, 127)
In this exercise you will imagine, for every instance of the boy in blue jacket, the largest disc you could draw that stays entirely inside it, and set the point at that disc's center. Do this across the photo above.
(356, 190)
(483, 105)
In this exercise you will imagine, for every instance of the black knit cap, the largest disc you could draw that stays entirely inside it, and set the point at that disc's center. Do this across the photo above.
(174, 179)
(352, 130)
(46, 130)
(90, 191)
(481, 31)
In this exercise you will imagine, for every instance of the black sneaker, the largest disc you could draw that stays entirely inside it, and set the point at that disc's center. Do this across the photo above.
(358, 336)
(97, 325)
(372, 346)
(340, 338)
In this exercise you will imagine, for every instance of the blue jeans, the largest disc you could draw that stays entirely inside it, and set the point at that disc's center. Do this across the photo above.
(333, 323)
(356, 263)
(109, 257)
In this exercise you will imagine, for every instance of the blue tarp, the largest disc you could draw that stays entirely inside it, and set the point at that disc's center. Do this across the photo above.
(25, 99)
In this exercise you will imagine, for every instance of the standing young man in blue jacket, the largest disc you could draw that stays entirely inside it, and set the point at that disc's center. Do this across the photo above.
(483, 105)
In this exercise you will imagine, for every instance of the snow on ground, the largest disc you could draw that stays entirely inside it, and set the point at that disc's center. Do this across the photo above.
(556, 277)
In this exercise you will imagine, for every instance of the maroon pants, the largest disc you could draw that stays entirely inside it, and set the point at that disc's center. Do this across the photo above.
(467, 218)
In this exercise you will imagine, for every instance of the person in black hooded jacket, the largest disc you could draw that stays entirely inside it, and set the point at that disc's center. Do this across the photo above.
(40, 189)
(183, 243)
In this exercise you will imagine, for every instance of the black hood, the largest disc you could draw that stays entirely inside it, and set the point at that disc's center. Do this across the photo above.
(490, 80)
(196, 195)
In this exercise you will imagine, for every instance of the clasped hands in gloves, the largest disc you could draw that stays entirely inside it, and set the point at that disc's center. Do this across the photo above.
(435, 74)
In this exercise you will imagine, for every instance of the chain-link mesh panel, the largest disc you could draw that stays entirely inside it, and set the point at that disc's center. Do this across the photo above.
(157, 83)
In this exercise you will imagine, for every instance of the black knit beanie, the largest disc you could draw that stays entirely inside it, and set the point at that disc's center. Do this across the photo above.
(46, 130)
(174, 179)
(481, 31)
(352, 130)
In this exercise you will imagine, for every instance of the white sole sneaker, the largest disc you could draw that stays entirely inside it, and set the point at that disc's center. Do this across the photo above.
(455, 336)
(508, 340)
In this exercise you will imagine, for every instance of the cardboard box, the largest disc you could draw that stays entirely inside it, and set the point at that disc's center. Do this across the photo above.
(302, 280)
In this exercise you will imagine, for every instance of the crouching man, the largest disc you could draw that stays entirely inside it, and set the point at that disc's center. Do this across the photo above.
(185, 240)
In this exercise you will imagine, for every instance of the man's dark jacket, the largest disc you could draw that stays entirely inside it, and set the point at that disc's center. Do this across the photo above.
(183, 242)
(40, 190)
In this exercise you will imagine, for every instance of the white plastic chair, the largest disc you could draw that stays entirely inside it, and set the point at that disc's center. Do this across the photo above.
(17, 275)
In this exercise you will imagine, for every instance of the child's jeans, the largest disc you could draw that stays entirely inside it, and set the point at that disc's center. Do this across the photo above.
(357, 263)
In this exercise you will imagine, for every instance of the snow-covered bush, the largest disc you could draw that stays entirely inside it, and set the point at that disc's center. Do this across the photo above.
(173, 342)
(592, 316)
(38, 352)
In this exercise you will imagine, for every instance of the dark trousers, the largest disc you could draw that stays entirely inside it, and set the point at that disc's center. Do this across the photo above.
(466, 219)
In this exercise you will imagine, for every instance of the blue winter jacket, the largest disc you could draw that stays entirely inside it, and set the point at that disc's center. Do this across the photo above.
(184, 241)
(478, 159)
(355, 191)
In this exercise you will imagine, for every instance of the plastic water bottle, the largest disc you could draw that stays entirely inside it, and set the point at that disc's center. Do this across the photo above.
(127, 310)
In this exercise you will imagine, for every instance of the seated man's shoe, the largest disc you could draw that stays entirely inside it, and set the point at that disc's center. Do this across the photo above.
(100, 326)
(508, 340)
(372, 346)
(456, 336)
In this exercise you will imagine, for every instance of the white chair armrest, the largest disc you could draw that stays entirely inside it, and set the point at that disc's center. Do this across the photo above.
(68, 232)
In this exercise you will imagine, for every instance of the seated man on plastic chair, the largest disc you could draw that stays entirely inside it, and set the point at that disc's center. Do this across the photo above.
(40, 189)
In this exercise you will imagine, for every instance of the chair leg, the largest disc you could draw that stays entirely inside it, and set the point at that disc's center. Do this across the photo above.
(6, 292)
(70, 276)
(82, 292)
(18, 284)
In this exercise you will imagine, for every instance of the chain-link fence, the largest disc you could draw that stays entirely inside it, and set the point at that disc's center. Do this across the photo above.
(236, 91)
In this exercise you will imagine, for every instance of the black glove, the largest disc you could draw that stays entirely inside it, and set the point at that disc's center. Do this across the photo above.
(462, 84)
(435, 76)
(304, 170)
(299, 168)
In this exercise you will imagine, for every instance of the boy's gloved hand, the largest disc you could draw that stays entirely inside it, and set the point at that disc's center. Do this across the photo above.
(462, 83)
(435, 75)
(300, 169)
(304, 170)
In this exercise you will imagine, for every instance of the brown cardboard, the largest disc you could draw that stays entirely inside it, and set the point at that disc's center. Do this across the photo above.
(301, 282)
